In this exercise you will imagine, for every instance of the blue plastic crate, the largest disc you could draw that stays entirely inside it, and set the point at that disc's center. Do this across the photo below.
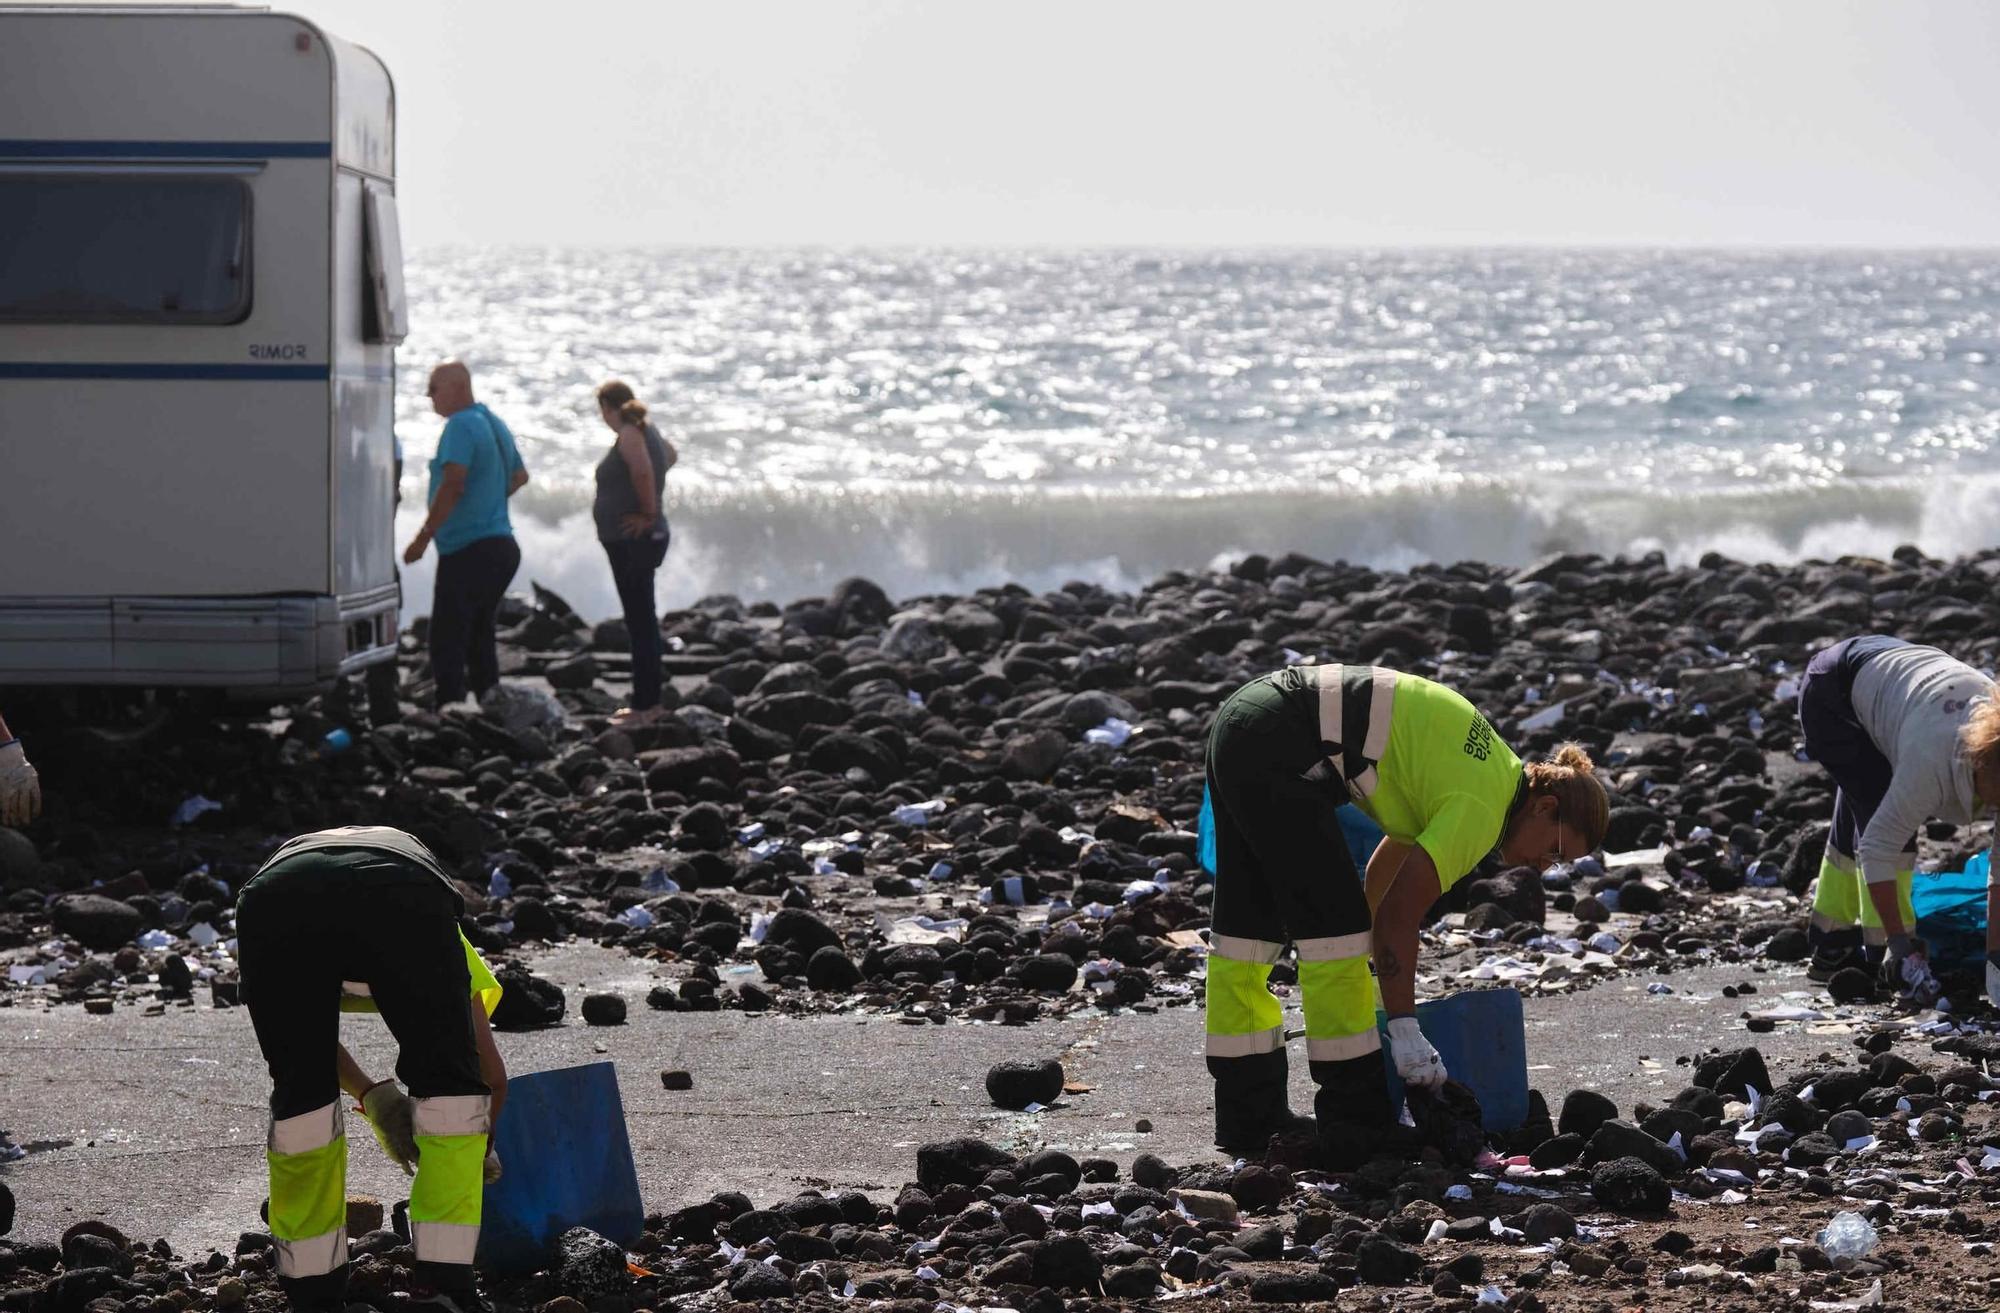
(567, 1162)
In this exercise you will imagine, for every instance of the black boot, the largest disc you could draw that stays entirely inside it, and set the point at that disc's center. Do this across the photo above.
(1355, 1120)
(1251, 1103)
(1834, 951)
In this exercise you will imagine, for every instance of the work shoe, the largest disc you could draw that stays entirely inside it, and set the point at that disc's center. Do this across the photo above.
(1244, 1137)
(1834, 956)
(429, 1299)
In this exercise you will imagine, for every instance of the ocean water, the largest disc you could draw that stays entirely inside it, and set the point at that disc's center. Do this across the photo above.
(942, 420)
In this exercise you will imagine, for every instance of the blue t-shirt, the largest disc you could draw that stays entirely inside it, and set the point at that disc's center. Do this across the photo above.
(476, 439)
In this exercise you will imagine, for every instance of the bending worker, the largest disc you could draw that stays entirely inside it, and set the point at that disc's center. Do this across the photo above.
(1285, 752)
(1908, 734)
(363, 919)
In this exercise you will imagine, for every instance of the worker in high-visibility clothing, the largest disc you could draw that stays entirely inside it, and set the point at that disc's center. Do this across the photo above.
(1286, 750)
(363, 919)
(1909, 734)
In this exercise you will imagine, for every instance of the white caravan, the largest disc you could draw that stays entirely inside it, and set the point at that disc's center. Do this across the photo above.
(201, 291)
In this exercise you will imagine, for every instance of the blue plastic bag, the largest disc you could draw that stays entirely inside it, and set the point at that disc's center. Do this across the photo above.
(1951, 913)
(1362, 833)
(1483, 1040)
(566, 1161)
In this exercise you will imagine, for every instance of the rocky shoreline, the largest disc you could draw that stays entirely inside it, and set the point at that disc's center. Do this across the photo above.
(963, 807)
(983, 809)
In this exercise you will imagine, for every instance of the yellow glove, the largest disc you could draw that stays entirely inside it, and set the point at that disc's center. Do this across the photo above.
(394, 1123)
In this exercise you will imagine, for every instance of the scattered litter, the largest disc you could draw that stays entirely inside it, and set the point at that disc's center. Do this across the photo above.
(498, 885)
(154, 940)
(1547, 718)
(193, 809)
(1113, 733)
(1849, 1235)
(204, 934)
(1873, 1299)
(637, 917)
(917, 813)
(657, 881)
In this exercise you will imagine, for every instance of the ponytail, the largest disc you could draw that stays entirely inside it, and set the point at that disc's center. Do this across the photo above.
(1569, 777)
(617, 397)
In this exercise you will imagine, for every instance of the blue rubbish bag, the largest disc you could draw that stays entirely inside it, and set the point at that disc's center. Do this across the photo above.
(566, 1161)
(1362, 833)
(1484, 1044)
(1951, 913)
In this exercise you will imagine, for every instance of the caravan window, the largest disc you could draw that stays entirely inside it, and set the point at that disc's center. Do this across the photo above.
(124, 248)
(388, 311)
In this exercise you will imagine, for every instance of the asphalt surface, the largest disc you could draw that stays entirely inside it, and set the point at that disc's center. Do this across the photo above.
(156, 1123)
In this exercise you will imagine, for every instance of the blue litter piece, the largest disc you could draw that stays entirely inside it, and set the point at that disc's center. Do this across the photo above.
(566, 1161)
(1951, 913)
(1361, 831)
(1484, 1044)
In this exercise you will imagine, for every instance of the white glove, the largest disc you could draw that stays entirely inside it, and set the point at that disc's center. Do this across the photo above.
(20, 787)
(1993, 978)
(492, 1166)
(1417, 1063)
(394, 1121)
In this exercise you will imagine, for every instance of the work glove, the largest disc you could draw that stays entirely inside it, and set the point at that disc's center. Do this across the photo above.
(1993, 977)
(394, 1122)
(20, 787)
(1417, 1063)
(1907, 970)
(492, 1166)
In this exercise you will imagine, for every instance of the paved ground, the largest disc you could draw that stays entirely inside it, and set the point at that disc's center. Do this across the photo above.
(157, 1123)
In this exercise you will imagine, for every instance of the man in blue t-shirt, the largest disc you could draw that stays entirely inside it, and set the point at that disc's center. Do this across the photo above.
(476, 469)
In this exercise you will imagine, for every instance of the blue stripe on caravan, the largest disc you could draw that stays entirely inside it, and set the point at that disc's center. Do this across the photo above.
(211, 373)
(51, 149)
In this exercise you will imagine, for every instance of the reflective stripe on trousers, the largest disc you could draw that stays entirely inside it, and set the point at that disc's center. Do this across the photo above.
(307, 1155)
(446, 1195)
(1841, 902)
(1241, 1015)
(1338, 993)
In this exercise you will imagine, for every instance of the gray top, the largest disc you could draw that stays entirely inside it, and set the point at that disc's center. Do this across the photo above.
(617, 498)
(1913, 701)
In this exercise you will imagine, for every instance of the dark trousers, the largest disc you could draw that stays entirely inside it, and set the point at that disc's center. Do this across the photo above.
(465, 652)
(1835, 739)
(1284, 874)
(633, 564)
(321, 918)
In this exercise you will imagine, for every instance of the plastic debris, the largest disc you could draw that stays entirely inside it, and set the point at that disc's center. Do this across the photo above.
(917, 813)
(657, 881)
(28, 975)
(154, 939)
(521, 706)
(939, 871)
(1113, 733)
(193, 809)
(1547, 718)
(637, 917)
(498, 885)
(1490, 1295)
(1872, 1299)
(204, 934)
(750, 833)
(1848, 1235)
(337, 741)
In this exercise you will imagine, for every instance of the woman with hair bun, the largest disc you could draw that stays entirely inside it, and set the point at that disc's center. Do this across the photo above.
(1909, 734)
(633, 528)
(1286, 750)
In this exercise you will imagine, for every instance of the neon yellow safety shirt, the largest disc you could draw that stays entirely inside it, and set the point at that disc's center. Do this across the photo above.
(1447, 781)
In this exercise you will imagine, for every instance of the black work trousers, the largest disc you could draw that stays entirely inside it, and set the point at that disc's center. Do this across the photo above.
(465, 651)
(634, 561)
(304, 926)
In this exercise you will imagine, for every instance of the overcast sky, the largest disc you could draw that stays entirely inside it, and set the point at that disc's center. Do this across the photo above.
(1214, 123)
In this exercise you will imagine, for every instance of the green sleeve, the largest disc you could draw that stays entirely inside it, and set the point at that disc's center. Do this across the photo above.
(1458, 835)
(484, 987)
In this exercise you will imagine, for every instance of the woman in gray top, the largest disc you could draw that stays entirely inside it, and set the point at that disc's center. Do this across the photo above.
(1909, 734)
(632, 525)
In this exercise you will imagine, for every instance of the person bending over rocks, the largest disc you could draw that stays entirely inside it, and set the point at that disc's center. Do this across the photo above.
(1286, 750)
(1908, 733)
(363, 919)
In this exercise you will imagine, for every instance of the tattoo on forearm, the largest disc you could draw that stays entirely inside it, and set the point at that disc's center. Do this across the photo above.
(1388, 963)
